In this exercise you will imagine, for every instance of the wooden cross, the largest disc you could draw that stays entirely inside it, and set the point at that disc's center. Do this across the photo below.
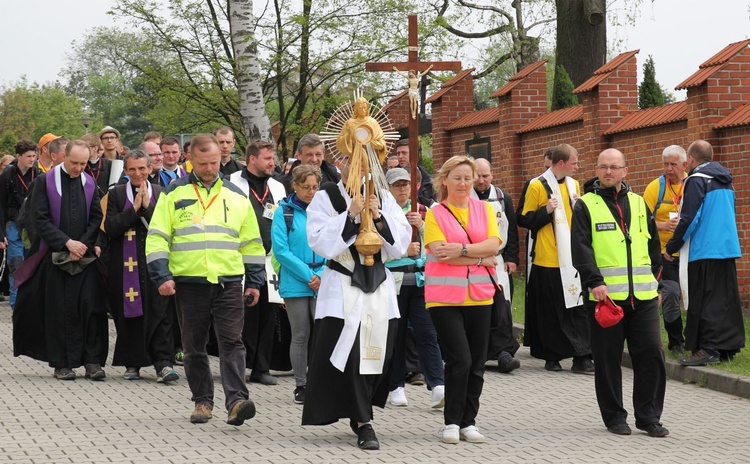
(131, 294)
(130, 234)
(418, 67)
(130, 264)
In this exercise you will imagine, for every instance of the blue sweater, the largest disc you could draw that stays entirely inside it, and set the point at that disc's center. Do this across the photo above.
(293, 253)
(707, 216)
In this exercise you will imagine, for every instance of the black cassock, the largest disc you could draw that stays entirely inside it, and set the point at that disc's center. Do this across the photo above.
(144, 340)
(58, 317)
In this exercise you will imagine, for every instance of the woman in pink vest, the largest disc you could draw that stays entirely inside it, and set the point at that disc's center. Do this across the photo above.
(462, 239)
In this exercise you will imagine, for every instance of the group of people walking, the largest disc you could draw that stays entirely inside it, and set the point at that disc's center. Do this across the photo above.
(201, 253)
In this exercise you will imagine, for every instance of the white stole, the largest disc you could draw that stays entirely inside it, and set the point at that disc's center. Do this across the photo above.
(277, 193)
(571, 282)
(368, 314)
(498, 205)
(685, 250)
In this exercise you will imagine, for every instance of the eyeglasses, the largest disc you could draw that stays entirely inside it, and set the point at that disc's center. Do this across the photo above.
(109, 139)
(610, 168)
(401, 185)
(309, 188)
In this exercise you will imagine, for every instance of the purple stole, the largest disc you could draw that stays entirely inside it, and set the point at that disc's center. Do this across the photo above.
(54, 196)
(132, 303)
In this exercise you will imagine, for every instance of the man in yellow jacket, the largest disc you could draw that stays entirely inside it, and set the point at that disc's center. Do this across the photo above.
(203, 239)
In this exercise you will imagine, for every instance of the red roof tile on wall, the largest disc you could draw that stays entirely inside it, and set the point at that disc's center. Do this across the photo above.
(650, 117)
(517, 78)
(447, 85)
(555, 118)
(713, 64)
(477, 118)
(604, 72)
(738, 117)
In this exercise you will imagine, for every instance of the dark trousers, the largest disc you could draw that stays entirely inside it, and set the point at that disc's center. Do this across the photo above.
(640, 327)
(199, 305)
(411, 307)
(464, 334)
(669, 287)
(257, 333)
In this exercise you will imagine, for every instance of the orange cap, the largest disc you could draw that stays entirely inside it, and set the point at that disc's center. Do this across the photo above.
(47, 138)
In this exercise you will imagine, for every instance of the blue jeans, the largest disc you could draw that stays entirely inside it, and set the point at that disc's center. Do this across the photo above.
(13, 256)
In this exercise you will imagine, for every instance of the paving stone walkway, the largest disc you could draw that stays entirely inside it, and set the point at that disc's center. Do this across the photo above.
(529, 416)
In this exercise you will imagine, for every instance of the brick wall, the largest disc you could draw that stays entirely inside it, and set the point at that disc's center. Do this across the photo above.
(525, 130)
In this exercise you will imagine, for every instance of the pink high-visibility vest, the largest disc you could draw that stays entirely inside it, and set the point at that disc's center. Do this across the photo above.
(448, 283)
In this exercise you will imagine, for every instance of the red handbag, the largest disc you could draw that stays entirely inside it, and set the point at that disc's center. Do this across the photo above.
(607, 313)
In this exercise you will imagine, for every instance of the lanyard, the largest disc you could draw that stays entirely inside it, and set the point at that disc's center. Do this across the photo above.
(26, 187)
(211, 202)
(98, 169)
(676, 198)
(262, 201)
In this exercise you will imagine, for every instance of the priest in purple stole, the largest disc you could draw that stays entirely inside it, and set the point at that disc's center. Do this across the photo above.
(59, 316)
(142, 317)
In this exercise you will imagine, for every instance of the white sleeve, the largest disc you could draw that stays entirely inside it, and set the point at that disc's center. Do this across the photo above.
(324, 227)
(399, 226)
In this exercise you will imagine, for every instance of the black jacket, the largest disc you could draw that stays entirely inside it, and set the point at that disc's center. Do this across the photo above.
(13, 190)
(329, 172)
(580, 235)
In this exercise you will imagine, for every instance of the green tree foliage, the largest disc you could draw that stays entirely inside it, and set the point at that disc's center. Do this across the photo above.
(562, 94)
(31, 110)
(650, 93)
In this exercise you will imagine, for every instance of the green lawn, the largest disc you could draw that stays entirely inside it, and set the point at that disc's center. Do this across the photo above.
(740, 364)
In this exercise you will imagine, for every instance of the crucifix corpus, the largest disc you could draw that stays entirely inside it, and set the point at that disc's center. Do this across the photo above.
(413, 70)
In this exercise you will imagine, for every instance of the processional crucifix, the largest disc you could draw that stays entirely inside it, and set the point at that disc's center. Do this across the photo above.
(414, 70)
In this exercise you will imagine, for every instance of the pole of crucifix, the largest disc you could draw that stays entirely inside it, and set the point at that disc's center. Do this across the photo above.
(413, 70)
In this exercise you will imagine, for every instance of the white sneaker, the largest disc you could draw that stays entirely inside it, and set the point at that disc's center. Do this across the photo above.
(471, 434)
(438, 397)
(398, 397)
(450, 434)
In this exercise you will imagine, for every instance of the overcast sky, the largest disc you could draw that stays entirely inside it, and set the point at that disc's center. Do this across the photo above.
(680, 34)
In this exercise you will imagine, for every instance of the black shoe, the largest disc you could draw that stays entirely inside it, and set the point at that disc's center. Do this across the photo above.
(264, 378)
(417, 379)
(95, 372)
(299, 395)
(553, 366)
(240, 412)
(699, 358)
(655, 429)
(620, 429)
(582, 366)
(507, 363)
(366, 438)
(64, 373)
(678, 351)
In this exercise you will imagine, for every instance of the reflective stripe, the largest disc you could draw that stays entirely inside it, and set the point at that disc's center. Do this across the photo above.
(250, 259)
(212, 229)
(209, 244)
(451, 281)
(167, 237)
(245, 243)
(479, 279)
(151, 257)
(637, 287)
(431, 258)
(623, 271)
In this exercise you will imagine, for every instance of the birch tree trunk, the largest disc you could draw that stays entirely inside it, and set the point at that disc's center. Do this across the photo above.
(246, 66)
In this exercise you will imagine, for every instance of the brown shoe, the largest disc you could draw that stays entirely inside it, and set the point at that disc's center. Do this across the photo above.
(240, 412)
(201, 414)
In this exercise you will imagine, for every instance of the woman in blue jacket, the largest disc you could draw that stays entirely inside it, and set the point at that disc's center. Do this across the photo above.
(300, 268)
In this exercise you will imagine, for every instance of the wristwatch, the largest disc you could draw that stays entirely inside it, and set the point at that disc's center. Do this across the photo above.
(464, 250)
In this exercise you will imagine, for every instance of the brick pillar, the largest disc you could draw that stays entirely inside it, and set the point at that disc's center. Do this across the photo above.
(454, 99)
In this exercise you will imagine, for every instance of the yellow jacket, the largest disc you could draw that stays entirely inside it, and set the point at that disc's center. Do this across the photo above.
(204, 235)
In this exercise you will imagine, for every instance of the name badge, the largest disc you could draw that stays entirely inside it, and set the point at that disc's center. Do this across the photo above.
(268, 210)
(604, 226)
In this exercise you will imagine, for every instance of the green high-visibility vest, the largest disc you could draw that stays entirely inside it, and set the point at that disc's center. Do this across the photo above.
(611, 249)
